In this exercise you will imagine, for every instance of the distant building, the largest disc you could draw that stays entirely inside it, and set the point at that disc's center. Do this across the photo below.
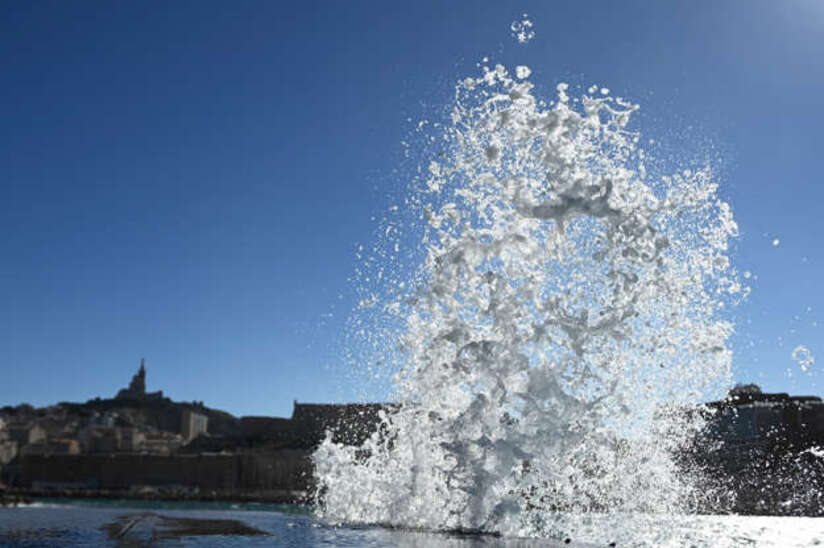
(162, 443)
(193, 424)
(762, 451)
(52, 447)
(350, 423)
(26, 433)
(137, 388)
(106, 439)
(131, 440)
(8, 450)
(749, 417)
(97, 439)
(58, 426)
(261, 429)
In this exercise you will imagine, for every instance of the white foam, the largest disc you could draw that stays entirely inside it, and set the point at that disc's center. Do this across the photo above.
(565, 308)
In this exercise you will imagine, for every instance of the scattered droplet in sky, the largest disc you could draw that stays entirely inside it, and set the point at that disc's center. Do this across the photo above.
(803, 357)
(522, 30)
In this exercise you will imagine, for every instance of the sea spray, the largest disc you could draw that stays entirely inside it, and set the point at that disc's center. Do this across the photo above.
(568, 307)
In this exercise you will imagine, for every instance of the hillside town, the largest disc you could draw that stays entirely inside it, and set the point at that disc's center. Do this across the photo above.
(760, 449)
(138, 442)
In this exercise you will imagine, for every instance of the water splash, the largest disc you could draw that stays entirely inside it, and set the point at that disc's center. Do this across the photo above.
(523, 30)
(567, 306)
(523, 72)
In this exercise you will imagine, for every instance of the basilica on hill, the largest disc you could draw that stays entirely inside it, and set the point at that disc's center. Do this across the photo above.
(137, 388)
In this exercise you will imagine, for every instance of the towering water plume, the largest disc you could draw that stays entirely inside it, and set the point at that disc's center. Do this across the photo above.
(567, 306)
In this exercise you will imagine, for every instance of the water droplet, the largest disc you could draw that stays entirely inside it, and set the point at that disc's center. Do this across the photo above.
(803, 357)
(522, 30)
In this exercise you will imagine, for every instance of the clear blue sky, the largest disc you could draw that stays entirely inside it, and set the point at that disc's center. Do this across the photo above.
(188, 181)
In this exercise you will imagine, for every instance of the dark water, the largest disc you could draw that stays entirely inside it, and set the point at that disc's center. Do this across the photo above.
(67, 522)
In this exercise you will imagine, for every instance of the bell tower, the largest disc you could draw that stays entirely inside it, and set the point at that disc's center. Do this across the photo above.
(138, 385)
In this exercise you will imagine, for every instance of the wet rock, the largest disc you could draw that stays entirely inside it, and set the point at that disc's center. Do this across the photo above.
(149, 526)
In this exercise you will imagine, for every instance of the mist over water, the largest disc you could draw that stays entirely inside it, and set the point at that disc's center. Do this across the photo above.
(566, 306)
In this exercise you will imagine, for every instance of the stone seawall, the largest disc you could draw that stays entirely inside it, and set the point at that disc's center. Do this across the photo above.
(276, 471)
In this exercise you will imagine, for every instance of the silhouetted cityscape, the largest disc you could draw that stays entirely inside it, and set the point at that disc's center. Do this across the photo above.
(764, 449)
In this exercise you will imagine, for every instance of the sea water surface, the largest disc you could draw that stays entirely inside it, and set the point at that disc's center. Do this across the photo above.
(77, 522)
(71, 522)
